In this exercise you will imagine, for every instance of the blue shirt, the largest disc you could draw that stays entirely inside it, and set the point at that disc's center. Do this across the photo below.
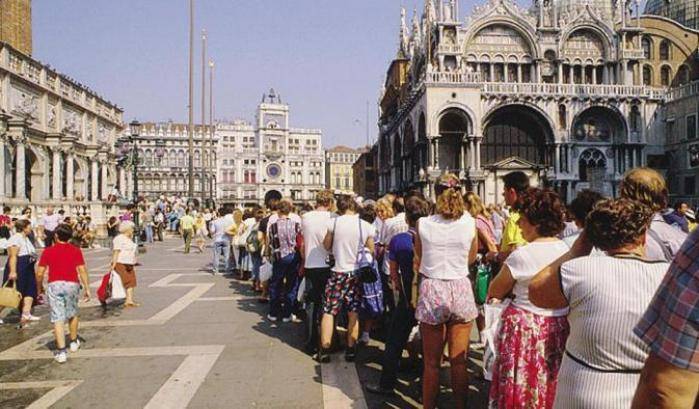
(677, 220)
(401, 250)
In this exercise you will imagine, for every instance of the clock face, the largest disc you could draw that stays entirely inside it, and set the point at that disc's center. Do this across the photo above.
(274, 171)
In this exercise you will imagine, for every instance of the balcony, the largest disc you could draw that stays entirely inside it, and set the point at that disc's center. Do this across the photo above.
(453, 78)
(571, 90)
(684, 91)
(449, 49)
(633, 54)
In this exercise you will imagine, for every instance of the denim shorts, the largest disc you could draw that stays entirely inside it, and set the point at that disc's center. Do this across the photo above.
(63, 300)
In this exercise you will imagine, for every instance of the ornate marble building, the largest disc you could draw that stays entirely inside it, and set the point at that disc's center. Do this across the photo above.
(269, 155)
(574, 93)
(164, 153)
(57, 139)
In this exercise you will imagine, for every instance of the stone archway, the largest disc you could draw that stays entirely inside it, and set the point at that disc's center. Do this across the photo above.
(272, 195)
(454, 126)
(516, 131)
(592, 169)
(599, 124)
(35, 172)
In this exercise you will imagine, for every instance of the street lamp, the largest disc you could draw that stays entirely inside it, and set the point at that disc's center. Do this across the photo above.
(128, 158)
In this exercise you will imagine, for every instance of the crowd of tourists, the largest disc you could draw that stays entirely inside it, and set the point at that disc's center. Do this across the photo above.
(423, 273)
(595, 301)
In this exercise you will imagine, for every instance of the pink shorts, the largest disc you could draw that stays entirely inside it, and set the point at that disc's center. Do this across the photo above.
(445, 301)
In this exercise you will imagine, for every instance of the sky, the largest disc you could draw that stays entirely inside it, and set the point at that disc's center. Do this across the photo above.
(326, 58)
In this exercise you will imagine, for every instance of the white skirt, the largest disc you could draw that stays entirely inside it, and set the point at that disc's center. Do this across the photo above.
(580, 387)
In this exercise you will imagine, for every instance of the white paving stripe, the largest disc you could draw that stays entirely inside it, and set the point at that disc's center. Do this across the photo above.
(180, 388)
(58, 390)
(341, 387)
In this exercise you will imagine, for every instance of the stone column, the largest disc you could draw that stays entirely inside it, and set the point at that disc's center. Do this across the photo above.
(95, 178)
(479, 139)
(519, 73)
(571, 72)
(57, 173)
(3, 143)
(557, 164)
(492, 72)
(594, 74)
(70, 170)
(122, 181)
(20, 171)
(436, 153)
(105, 175)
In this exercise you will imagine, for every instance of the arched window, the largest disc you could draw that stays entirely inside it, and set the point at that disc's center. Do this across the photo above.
(665, 51)
(647, 75)
(149, 157)
(665, 76)
(180, 159)
(197, 159)
(592, 166)
(635, 119)
(683, 75)
(647, 46)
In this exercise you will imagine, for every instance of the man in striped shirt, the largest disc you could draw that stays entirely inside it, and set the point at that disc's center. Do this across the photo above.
(670, 377)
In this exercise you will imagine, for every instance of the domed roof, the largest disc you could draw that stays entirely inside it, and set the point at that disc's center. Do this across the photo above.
(682, 11)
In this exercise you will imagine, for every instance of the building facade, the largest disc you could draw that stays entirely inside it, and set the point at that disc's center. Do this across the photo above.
(338, 168)
(364, 173)
(269, 155)
(16, 24)
(164, 166)
(572, 93)
(57, 139)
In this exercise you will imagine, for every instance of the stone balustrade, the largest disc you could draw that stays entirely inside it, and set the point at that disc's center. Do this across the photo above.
(451, 78)
(684, 91)
(579, 90)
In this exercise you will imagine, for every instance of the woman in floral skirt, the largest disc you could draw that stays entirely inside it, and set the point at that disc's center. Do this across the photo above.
(531, 341)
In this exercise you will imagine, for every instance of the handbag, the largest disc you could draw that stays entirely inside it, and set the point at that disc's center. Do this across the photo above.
(9, 296)
(366, 271)
(372, 305)
(483, 277)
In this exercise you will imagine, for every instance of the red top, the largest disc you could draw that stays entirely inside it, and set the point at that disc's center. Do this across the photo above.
(62, 260)
(5, 220)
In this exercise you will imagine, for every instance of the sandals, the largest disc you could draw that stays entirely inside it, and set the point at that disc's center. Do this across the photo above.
(132, 304)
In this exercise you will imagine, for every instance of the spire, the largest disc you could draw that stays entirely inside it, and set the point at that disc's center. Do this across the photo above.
(403, 35)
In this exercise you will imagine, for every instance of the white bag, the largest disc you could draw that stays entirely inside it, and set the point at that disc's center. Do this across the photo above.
(118, 291)
(265, 272)
(489, 335)
(300, 295)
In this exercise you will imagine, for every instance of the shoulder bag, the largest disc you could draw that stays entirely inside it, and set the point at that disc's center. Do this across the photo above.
(365, 270)
(9, 296)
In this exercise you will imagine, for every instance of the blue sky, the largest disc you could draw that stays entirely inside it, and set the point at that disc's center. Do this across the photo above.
(325, 57)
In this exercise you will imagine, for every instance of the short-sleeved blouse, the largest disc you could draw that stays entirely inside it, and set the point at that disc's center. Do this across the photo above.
(26, 248)
(127, 250)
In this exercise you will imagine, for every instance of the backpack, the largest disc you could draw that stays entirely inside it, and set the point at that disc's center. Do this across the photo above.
(252, 243)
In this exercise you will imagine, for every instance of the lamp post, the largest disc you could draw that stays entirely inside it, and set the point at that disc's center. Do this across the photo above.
(128, 158)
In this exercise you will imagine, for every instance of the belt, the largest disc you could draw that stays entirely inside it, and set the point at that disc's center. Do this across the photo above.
(586, 365)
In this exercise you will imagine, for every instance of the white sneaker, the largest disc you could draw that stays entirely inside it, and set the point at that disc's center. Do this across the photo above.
(75, 345)
(271, 318)
(32, 318)
(291, 318)
(60, 356)
(364, 339)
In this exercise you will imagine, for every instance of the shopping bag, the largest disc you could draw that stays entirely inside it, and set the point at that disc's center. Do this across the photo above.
(118, 291)
(265, 272)
(300, 295)
(9, 296)
(104, 290)
(489, 335)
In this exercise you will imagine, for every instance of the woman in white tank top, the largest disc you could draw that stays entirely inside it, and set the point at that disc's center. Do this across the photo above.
(445, 245)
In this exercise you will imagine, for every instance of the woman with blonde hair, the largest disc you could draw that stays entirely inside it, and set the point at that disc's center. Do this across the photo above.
(234, 231)
(445, 245)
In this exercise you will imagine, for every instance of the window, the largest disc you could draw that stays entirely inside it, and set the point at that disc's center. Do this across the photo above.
(665, 75)
(647, 75)
(665, 51)
(647, 48)
(690, 185)
(691, 127)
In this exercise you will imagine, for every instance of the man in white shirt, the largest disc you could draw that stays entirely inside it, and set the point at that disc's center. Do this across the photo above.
(49, 223)
(314, 226)
(221, 240)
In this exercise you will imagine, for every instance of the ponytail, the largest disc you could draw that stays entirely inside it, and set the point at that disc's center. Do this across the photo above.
(450, 204)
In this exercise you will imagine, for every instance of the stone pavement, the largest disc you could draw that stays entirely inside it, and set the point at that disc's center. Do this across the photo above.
(197, 341)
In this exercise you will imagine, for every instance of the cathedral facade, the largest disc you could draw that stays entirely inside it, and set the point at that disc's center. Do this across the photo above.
(573, 93)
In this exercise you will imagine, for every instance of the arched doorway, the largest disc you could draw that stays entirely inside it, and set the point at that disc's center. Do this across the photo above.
(599, 125)
(34, 175)
(454, 126)
(516, 132)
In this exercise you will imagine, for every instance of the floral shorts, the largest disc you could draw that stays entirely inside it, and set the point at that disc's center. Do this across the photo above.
(444, 301)
(342, 289)
(63, 300)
